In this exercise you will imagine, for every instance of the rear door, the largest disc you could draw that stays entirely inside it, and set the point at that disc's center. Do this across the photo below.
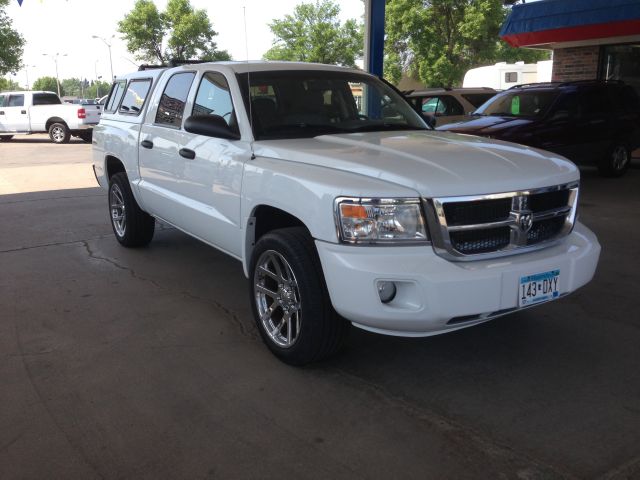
(16, 116)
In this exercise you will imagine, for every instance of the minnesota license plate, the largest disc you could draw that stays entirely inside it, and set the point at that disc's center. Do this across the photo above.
(538, 288)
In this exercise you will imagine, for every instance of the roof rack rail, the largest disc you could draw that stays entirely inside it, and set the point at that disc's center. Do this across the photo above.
(145, 66)
(177, 63)
(536, 84)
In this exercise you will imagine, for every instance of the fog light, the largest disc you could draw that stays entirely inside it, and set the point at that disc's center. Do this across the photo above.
(386, 291)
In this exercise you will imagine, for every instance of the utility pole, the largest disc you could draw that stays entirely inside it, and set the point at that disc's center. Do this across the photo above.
(55, 60)
(108, 44)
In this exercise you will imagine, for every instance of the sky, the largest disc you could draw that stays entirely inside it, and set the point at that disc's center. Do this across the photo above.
(67, 27)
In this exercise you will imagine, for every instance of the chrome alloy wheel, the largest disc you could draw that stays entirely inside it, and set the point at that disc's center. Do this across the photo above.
(619, 157)
(118, 212)
(58, 134)
(277, 298)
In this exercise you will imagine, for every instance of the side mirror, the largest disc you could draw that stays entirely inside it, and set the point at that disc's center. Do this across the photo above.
(210, 126)
(429, 119)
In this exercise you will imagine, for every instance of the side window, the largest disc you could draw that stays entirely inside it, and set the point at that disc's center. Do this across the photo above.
(135, 96)
(173, 99)
(567, 107)
(2, 100)
(45, 99)
(451, 105)
(432, 105)
(510, 77)
(117, 91)
(16, 101)
(214, 98)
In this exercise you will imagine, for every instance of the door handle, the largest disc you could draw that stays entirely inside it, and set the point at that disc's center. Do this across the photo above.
(1, 113)
(146, 143)
(186, 153)
(23, 112)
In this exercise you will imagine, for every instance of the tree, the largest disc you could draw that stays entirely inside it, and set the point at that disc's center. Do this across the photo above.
(12, 44)
(7, 85)
(48, 84)
(179, 33)
(314, 34)
(439, 40)
(97, 89)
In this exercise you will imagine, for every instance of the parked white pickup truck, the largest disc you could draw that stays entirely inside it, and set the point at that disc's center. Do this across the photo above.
(340, 202)
(43, 112)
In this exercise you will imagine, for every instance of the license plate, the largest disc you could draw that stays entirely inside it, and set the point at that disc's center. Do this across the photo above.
(539, 288)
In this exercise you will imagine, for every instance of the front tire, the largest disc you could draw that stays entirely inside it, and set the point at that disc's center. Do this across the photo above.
(290, 300)
(59, 133)
(616, 162)
(131, 225)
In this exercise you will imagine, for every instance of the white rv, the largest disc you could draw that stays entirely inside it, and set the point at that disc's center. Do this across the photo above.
(505, 75)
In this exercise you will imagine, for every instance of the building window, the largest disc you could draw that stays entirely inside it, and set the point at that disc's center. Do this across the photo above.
(510, 77)
(621, 62)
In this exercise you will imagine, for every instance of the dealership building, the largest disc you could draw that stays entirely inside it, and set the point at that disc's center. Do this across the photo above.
(589, 38)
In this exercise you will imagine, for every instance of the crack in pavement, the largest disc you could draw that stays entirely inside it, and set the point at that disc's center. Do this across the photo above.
(249, 332)
(527, 466)
(55, 244)
(245, 331)
(112, 262)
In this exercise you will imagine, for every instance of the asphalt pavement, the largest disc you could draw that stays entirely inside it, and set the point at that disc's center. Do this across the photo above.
(145, 363)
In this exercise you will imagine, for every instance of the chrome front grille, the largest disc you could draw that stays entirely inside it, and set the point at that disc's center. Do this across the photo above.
(485, 226)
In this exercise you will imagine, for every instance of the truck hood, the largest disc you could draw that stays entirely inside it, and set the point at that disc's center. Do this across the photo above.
(485, 125)
(434, 164)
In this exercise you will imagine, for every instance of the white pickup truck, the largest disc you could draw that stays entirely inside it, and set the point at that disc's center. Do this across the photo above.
(340, 202)
(43, 112)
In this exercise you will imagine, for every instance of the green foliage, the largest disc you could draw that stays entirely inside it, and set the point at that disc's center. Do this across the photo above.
(439, 40)
(7, 85)
(97, 89)
(314, 34)
(48, 84)
(179, 33)
(12, 43)
(75, 87)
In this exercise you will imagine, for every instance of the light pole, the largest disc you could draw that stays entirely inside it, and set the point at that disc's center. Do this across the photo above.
(55, 59)
(26, 71)
(98, 77)
(108, 45)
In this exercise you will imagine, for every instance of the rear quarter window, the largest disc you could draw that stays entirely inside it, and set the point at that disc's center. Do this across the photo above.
(116, 94)
(135, 96)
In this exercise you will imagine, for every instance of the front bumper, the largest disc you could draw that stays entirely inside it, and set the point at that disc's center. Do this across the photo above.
(435, 295)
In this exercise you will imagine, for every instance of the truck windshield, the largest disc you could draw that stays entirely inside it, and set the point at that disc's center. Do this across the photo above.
(304, 103)
(519, 104)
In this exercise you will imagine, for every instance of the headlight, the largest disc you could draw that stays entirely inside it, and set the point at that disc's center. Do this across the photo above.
(380, 220)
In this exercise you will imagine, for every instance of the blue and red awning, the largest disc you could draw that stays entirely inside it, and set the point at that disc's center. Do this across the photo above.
(556, 21)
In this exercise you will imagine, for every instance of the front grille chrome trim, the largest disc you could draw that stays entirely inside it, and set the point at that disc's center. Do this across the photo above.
(519, 241)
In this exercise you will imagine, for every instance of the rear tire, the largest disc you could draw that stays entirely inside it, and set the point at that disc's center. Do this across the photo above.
(5, 138)
(131, 225)
(86, 136)
(290, 301)
(616, 162)
(59, 133)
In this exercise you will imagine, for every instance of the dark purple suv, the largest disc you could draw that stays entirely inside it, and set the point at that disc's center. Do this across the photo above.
(587, 122)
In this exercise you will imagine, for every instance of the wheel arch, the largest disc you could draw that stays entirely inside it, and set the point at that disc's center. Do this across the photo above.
(113, 165)
(263, 219)
(53, 120)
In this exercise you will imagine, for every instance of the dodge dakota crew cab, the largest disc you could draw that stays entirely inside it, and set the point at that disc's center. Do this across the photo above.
(43, 112)
(343, 206)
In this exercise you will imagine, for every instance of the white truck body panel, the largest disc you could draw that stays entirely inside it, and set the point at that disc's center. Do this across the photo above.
(213, 197)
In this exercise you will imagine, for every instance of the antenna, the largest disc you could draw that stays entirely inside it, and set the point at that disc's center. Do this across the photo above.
(246, 46)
